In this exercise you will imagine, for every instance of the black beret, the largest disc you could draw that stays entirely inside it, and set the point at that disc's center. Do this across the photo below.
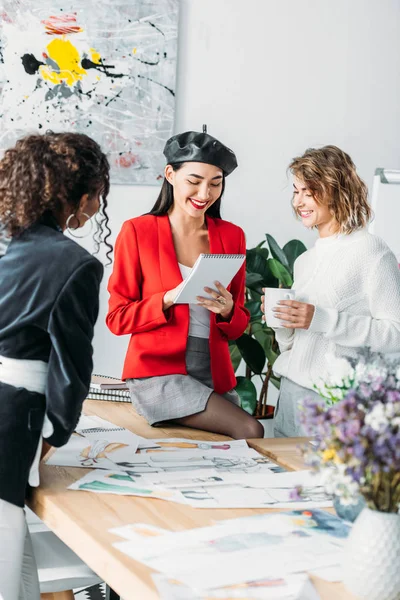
(193, 146)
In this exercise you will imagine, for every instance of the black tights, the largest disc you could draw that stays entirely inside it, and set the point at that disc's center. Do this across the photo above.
(224, 417)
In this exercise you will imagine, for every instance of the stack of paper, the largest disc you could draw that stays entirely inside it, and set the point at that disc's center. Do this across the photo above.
(200, 474)
(211, 489)
(265, 556)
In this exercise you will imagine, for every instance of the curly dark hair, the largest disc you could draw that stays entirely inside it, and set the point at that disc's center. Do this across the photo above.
(50, 173)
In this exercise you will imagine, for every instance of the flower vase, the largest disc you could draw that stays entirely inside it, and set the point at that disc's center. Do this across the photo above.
(348, 512)
(371, 565)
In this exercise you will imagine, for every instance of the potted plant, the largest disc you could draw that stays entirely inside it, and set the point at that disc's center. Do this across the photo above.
(270, 266)
(357, 448)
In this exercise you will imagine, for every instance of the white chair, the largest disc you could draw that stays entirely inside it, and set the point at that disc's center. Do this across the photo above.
(60, 569)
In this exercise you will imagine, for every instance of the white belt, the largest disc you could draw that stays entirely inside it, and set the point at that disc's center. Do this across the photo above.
(31, 375)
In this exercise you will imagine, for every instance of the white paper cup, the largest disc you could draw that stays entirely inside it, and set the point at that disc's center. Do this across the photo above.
(272, 296)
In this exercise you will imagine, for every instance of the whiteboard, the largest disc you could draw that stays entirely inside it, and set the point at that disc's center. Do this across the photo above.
(385, 202)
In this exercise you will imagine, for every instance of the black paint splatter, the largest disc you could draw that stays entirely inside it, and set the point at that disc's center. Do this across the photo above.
(113, 98)
(31, 64)
(148, 62)
(157, 28)
(86, 64)
(157, 83)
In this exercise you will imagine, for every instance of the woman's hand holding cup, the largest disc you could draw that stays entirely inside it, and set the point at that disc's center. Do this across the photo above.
(282, 310)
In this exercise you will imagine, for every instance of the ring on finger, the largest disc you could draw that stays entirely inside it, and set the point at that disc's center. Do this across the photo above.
(221, 300)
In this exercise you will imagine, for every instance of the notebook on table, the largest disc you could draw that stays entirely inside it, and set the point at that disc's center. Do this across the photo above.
(103, 387)
(104, 382)
(207, 269)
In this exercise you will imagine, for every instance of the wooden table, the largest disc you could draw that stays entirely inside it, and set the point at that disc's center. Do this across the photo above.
(82, 520)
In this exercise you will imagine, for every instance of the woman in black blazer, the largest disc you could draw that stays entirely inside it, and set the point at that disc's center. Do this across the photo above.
(49, 289)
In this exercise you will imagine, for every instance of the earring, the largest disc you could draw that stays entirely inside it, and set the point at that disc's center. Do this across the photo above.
(72, 229)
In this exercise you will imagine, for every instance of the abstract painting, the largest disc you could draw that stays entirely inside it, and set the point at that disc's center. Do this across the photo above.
(105, 68)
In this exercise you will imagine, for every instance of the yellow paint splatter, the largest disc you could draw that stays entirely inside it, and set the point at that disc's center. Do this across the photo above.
(64, 53)
(95, 56)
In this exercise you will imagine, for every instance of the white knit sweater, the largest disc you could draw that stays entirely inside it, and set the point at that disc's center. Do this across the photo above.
(354, 282)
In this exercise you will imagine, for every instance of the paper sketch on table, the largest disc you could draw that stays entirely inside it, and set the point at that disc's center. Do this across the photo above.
(76, 454)
(89, 423)
(275, 491)
(287, 545)
(97, 449)
(314, 522)
(216, 489)
(122, 484)
(187, 460)
(183, 479)
(240, 447)
(257, 463)
(273, 588)
(212, 489)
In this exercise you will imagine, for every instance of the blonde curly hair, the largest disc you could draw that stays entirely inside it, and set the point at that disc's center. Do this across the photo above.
(331, 176)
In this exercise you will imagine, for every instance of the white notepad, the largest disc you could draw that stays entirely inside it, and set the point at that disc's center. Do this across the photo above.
(207, 269)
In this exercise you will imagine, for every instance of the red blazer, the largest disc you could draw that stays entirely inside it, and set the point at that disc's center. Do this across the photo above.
(145, 267)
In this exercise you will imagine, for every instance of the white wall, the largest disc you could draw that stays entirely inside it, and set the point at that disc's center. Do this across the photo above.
(271, 78)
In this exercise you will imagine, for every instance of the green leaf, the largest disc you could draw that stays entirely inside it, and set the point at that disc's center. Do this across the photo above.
(254, 281)
(255, 262)
(236, 357)
(247, 393)
(265, 336)
(261, 244)
(280, 272)
(277, 251)
(293, 250)
(252, 352)
(254, 309)
(264, 252)
(256, 296)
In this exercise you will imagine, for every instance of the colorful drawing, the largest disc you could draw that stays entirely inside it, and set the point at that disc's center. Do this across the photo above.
(113, 482)
(188, 445)
(320, 521)
(105, 68)
(287, 588)
(98, 449)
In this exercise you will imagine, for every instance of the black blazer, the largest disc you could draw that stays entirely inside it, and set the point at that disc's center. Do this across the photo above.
(49, 290)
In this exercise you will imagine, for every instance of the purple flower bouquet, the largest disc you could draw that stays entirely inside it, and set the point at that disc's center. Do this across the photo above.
(357, 436)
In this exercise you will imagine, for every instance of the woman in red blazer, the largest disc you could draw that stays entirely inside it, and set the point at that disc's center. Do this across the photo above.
(178, 365)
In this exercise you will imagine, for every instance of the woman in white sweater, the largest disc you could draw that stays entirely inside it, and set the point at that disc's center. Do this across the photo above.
(347, 285)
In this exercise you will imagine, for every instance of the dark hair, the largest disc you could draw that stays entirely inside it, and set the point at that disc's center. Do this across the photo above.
(166, 198)
(45, 173)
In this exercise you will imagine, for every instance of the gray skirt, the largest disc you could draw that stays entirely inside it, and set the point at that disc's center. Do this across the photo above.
(169, 397)
(287, 412)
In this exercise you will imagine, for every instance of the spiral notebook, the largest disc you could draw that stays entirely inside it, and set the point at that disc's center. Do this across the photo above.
(207, 269)
(104, 387)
